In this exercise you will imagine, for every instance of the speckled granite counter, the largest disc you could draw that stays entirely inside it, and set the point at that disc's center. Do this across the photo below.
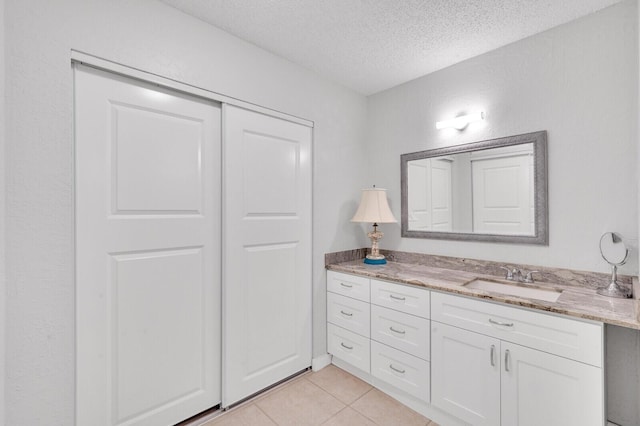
(575, 301)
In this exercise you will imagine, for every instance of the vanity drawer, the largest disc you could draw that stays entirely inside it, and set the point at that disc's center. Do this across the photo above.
(401, 370)
(412, 300)
(401, 331)
(578, 340)
(348, 285)
(349, 347)
(349, 313)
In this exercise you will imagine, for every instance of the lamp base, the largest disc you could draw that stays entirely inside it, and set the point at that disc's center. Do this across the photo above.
(375, 261)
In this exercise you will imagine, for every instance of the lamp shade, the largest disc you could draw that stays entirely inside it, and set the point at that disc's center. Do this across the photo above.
(374, 207)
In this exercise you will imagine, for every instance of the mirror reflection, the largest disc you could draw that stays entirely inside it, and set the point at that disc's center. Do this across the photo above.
(488, 191)
(480, 191)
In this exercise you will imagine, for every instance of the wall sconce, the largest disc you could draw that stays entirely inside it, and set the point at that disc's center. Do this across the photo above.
(460, 122)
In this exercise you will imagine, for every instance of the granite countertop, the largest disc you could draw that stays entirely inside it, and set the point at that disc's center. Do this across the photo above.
(574, 301)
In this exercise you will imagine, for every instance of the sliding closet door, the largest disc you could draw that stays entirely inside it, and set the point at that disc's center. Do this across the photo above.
(148, 252)
(267, 251)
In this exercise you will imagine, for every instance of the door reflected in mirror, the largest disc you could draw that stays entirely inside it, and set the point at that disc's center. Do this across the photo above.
(492, 190)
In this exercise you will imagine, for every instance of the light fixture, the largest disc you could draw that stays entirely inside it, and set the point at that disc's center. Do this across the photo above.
(461, 121)
(374, 209)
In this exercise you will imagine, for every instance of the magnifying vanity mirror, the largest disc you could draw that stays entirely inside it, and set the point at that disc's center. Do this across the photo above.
(494, 190)
(615, 252)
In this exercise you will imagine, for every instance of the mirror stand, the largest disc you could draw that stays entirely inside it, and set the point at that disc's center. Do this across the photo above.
(614, 289)
(615, 253)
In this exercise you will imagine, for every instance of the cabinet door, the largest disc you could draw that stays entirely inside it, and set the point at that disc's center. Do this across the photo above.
(543, 389)
(401, 370)
(348, 285)
(401, 331)
(465, 374)
(349, 347)
(354, 315)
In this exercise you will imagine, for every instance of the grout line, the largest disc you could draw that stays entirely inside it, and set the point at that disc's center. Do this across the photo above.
(361, 396)
(327, 392)
(340, 411)
(267, 415)
(360, 412)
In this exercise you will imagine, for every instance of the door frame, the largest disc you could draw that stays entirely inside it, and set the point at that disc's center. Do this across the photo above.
(114, 67)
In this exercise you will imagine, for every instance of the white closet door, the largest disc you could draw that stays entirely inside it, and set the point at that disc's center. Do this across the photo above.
(502, 195)
(148, 252)
(441, 199)
(267, 251)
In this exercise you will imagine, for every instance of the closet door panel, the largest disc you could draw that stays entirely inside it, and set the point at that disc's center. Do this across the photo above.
(148, 244)
(267, 251)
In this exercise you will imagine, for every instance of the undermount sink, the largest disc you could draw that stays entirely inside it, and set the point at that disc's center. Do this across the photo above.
(515, 289)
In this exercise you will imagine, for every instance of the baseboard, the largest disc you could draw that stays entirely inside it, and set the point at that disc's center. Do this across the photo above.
(320, 362)
(427, 410)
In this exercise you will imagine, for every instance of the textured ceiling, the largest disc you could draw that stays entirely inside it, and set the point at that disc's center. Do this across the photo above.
(372, 45)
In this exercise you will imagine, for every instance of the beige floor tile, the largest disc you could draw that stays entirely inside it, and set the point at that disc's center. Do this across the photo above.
(300, 404)
(339, 383)
(281, 386)
(386, 411)
(433, 423)
(249, 415)
(349, 417)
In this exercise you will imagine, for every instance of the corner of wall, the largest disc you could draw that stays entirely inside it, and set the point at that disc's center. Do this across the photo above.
(638, 114)
(3, 317)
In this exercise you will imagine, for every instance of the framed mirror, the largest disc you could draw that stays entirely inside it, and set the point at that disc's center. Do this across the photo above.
(493, 190)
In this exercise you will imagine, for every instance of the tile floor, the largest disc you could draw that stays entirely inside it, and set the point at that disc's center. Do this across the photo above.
(330, 397)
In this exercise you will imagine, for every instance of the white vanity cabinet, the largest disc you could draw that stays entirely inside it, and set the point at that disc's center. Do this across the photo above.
(348, 317)
(493, 364)
(382, 329)
(400, 337)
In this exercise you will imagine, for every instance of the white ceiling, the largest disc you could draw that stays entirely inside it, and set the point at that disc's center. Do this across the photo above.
(372, 45)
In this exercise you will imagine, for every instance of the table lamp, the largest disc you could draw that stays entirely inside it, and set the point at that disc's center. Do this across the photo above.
(374, 209)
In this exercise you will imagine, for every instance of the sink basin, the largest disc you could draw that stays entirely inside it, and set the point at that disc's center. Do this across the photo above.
(520, 290)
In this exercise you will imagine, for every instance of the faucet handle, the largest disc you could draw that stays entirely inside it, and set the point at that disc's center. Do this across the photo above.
(529, 276)
(509, 274)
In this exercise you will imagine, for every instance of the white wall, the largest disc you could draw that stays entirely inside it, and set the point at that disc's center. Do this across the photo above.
(579, 82)
(153, 37)
(3, 289)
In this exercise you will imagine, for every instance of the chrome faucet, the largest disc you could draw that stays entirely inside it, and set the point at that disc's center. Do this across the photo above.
(518, 275)
(528, 278)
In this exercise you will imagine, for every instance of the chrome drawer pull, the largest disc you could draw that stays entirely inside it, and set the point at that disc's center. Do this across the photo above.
(397, 298)
(504, 324)
(493, 355)
(506, 360)
(346, 285)
(346, 313)
(397, 331)
(345, 346)
(396, 370)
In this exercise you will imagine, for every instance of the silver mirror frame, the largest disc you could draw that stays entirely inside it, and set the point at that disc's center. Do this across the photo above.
(541, 236)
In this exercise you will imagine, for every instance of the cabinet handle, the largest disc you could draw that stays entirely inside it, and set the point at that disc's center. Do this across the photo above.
(397, 370)
(397, 297)
(504, 324)
(492, 355)
(397, 331)
(346, 313)
(345, 346)
(506, 360)
(346, 285)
